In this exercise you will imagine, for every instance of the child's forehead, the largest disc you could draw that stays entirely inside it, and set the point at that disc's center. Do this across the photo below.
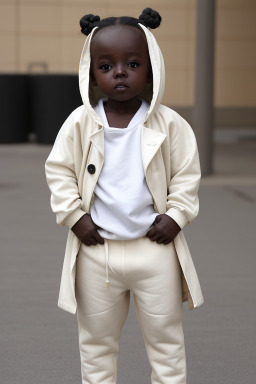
(118, 34)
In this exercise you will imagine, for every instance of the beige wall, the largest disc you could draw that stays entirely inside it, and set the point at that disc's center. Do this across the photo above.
(44, 35)
(235, 63)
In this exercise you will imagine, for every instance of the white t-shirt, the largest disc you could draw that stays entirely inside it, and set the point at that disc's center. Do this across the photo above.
(123, 205)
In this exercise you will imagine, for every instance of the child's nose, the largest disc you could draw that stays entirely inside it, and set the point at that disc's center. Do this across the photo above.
(120, 71)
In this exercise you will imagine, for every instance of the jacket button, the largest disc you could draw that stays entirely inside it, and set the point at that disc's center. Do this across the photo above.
(91, 169)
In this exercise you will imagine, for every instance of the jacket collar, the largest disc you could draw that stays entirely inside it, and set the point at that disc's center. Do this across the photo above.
(97, 138)
(150, 143)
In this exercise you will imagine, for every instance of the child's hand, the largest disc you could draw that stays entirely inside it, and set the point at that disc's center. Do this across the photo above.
(86, 231)
(163, 230)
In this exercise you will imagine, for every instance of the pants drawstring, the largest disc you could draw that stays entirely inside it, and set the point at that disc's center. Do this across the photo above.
(106, 257)
(107, 262)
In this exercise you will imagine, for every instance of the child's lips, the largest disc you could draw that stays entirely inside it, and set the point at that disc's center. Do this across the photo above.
(121, 86)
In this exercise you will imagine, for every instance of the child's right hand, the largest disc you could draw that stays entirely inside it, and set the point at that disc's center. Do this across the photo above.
(86, 231)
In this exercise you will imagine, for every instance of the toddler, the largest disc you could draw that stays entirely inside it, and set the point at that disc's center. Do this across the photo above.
(124, 174)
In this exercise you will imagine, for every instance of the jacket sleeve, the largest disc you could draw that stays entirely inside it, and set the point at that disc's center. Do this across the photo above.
(182, 199)
(61, 177)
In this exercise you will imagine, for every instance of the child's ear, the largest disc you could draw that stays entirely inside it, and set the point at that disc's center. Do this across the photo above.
(92, 77)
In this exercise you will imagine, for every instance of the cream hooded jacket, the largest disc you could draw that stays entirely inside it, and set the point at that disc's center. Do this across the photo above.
(170, 160)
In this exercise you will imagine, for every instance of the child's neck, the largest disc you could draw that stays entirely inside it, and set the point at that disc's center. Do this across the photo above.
(120, 113)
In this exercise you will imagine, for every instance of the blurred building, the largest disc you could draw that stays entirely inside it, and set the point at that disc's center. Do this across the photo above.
(43, 36)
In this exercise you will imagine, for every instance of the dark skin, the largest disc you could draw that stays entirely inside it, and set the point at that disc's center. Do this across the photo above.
(121, 69)
(87, 231)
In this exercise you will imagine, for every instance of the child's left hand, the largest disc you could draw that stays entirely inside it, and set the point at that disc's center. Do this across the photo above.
(164, 229)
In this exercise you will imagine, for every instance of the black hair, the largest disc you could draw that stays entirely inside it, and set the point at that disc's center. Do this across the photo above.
(148, 18)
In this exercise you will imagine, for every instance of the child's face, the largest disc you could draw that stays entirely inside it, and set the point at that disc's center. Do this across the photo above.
(120, 62)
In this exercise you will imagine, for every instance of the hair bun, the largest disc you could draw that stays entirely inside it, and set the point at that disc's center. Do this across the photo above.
(88, 22)
(150, 18)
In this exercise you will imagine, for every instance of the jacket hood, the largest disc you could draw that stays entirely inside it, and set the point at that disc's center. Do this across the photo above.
(152, 93)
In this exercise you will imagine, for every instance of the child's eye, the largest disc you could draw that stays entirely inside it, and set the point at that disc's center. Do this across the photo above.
(105, 67)
(133, 64)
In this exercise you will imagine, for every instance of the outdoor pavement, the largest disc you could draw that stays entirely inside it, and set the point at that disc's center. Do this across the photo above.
(38, 341)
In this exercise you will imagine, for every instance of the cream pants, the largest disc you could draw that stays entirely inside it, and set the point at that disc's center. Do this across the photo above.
(152, 272)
